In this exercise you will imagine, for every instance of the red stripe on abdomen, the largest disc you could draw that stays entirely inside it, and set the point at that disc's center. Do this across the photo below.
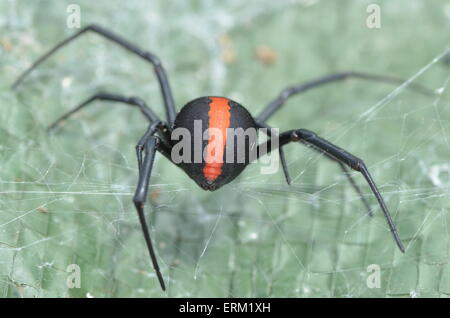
(219, 121)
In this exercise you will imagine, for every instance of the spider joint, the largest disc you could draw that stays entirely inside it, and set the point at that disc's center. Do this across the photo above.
(285, 93)
(358, 164)
(295, 136)
(136, 100)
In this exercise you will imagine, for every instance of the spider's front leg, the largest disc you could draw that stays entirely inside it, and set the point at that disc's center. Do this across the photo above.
(127, 45)
(339, 154)
(293, 90)
(147, 146)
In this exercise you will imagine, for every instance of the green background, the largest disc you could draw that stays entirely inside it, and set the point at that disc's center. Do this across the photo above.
(66, 198)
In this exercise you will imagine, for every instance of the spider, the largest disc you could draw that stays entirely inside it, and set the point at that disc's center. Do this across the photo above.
(220, 113)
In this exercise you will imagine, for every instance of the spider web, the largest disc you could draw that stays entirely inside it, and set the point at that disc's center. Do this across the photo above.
(66, 198)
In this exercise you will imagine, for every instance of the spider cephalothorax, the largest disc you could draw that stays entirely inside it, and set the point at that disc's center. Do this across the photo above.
(218, 162)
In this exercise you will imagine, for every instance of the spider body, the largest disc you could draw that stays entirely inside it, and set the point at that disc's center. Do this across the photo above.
(211, 123)
(220, 161)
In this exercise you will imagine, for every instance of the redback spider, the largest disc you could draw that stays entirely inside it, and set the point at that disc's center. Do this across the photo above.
(220, 113)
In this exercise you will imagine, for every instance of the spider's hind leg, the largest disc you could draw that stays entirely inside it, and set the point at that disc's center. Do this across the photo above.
(339, 154)
(284, 166)
(343, 167)
(146, 150)
(355, 186)
(151, 145)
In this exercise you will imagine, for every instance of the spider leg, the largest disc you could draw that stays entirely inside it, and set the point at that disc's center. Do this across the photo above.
(343, 167)
(278, 102)
(150, 57)
(347, 159)
(354, 185)
(284, 166)
(151, 145)
(142, 142)
(268, 131)
(133, 101)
